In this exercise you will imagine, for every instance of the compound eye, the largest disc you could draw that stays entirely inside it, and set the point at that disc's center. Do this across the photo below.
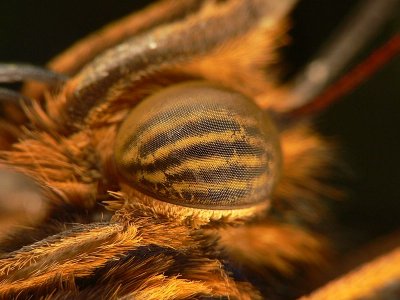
(201, 146)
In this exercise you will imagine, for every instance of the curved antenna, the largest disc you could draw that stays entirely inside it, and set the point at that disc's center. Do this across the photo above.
(23, 72)
(359, 28)
(10, 96)
(353, 78)
(167, 46)
(79, 54)
(10, 73)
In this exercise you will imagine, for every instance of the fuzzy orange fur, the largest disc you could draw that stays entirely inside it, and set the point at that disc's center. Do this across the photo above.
(99, 238)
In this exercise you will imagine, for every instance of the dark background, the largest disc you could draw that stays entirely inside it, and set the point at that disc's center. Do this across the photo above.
(365, 123)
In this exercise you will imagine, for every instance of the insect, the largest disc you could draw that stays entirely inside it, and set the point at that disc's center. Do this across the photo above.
(152, 243)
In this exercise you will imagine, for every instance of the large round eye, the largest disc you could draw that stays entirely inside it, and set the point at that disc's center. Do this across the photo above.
(199, 145)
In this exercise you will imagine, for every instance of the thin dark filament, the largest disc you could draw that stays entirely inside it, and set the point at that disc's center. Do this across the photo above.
(23, 72)
(360, 28)
(11, 96)
(354, 78)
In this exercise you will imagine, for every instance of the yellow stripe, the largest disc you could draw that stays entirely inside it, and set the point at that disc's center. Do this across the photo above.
(195, 187)
(155, 129)
(228, 136)
(206, 164)
(181, 187)
(186, 187)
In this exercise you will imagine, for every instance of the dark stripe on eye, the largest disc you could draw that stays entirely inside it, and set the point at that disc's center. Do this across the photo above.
(173, 113)
(218, 148)
(191, 128)
(200, 151)
(222, 196)
(188, 120)
(208, 174)
(147, 126)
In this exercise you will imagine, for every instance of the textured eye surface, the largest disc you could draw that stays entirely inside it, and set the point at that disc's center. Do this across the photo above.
(199, 145)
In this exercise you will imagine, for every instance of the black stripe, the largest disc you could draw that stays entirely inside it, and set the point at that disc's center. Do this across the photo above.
(200, 151)
(197, 128)
(225, 196)
(218, 175)
(181, 112)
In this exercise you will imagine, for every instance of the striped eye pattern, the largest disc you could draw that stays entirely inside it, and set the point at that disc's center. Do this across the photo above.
(199, 145)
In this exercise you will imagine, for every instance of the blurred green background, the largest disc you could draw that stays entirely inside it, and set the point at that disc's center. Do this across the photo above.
(365, 123)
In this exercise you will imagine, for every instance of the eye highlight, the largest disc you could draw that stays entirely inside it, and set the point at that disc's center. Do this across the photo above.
(199, 145)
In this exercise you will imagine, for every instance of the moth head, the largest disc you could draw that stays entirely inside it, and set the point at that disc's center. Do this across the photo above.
(200, 146)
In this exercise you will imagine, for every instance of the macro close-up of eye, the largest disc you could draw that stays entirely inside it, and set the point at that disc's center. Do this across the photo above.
(200, 149)
(199, 145)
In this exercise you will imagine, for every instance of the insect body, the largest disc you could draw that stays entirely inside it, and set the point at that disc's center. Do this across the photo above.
(165, 165)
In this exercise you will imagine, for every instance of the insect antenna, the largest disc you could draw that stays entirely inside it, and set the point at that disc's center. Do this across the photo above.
(81, 53)
(345, 44)
(162, 47)
(22, 72)
(353, 78)
(12, 73)
(10, 96)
